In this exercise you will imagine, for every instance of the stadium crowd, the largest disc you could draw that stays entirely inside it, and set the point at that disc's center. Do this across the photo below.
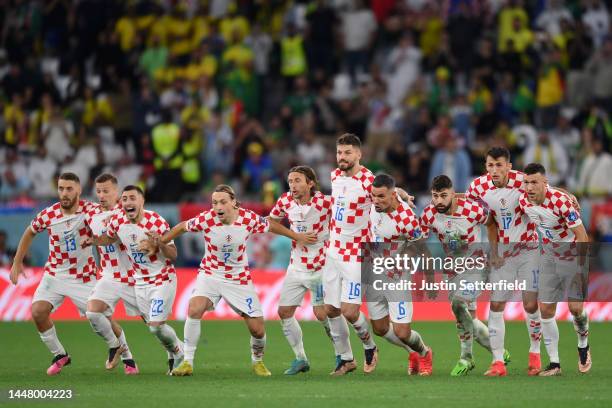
(178, 96)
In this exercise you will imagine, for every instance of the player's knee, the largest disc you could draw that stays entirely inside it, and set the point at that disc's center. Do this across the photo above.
(575, 308)
(379, 330)
(257, 332)
(285, 312)
(350, 313)
(320, 313)
(531, 306)
(402, 331)
(39, 314)
(498, 306)
(547, 310)
(332, 311)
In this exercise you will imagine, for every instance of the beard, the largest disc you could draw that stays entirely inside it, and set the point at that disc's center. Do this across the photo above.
(67, 203)
(344, 166)
(443, 209)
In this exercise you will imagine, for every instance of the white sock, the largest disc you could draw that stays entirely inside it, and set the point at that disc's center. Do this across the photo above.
(52, 342)
(497, 332)
(102, 326)
(340, 336)
(362, 328)
(293, 334)
(325, 324)
(534, 327)
(191, 337)
(581, 325)
(167, 337)
(127, 354)
(392, 338)
(550, 331)
(481, 334)
(465, 328)
(257, 348)
(415, 342)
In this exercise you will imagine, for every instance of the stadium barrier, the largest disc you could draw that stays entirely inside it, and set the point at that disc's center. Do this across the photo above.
(15, 300)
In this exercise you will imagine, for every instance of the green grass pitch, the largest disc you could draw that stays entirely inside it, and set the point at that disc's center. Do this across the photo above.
(222, 376)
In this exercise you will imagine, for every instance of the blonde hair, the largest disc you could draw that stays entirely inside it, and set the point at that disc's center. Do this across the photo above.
(224, 188)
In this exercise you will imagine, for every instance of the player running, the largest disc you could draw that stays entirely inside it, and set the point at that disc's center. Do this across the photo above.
(117, 281)
(154, 273)
(70, 270)
(224, 271)
(500, 189)
(457, 223)
(393, 222)
(308, 210)
(561, 228)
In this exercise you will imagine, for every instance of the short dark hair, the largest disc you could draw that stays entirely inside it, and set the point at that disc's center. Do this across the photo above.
(384, 180)
(441, 182)
(132, 187)
(70, 177)
(534, 168)
(349, 139)
(497, 152)
(310, 175)
(104, 177)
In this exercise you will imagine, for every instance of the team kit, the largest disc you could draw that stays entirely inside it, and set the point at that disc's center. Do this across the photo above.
(137, 253)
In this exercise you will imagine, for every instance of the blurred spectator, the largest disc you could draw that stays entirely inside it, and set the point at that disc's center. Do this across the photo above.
(14, 179)
(293, 55)
(358, 34)
(453, 161)
(168, 159)
(257, 168)
(597, 20)
(403, 70)
(551, 154)
(56, 135)
(594, 174)
(598, 68)
(42, 172)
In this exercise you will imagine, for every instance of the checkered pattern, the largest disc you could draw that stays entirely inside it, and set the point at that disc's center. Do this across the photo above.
(514, 227)
(114, 260)
(314, 216)
(147, 270)
(226, 244)
(67, 258)
(555, 218)
(457, 230)
(350, 219)
(399, 225)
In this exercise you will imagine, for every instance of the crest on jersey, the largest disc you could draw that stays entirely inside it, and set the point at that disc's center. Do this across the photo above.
(68, 222)
(228, 238)
(572, 216)
(449, 224)
(133, 236)
(343, 190)
(503, 202)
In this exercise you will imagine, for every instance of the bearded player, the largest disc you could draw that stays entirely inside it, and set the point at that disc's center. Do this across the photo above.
(561, 228)
(70, 270)
(457, 223)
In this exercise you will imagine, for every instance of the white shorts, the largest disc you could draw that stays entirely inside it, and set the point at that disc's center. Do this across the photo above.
(398, 312)
(341, 282)
(155, 302)
(242, 298)
(561, 280)
(296, 284)
(110, 292)
(53, 290)
(524, 267)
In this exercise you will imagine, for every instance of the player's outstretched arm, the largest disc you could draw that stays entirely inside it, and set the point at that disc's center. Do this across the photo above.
(176, 231)
(24, 245)
(305, 238)
(102, 240)
(405, 196)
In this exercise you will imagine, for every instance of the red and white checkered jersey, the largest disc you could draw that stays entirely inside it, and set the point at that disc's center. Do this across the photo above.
(148, 270)
(350, 222)
(554, 217)
(67, 258)
(114, 260)
(513, 224)
(225, 255)
(459, 229)
(398, 225)
(311, 217)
